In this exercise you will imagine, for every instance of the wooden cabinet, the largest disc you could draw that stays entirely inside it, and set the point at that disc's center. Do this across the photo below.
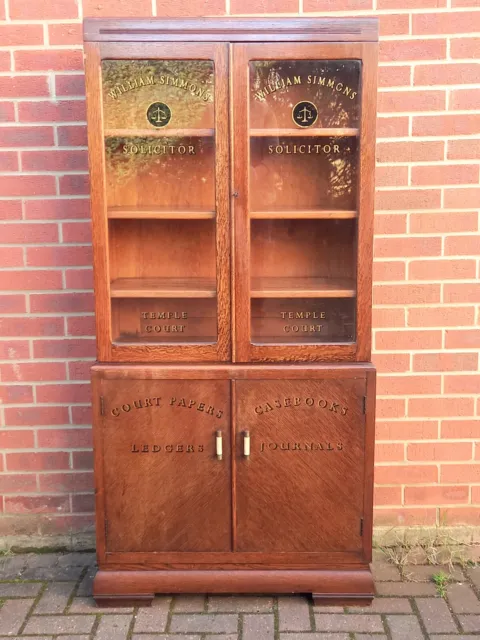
(231, 167)
(162, 481)
(301, 489)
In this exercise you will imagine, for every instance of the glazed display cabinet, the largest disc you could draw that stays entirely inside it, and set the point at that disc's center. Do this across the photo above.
(232, 167)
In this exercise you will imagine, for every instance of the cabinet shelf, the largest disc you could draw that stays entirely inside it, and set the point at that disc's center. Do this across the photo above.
(158, 133)
(303, 133)
(318, 214)
(163, 288)
(154, 213)
(302, 288)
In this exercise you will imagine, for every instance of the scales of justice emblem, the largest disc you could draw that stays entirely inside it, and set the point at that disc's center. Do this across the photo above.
(304, 113)
(159, 114)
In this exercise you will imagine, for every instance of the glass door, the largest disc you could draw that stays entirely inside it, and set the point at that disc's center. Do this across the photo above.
(299, 208)
(164, 132)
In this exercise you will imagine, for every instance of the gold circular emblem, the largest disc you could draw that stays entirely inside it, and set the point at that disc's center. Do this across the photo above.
(304, 113)
(159, 114)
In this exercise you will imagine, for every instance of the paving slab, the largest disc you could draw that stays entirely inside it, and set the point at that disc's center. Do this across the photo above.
(55, 597)
(258, 627)
(204, 623)
(404, 627)
(435, 615)
(20, 589)
(153, 618)
(242, 604)
(59, 624)
(294, 613)
(55, 603)
(470, 623)
(12, 616)
(463, 599)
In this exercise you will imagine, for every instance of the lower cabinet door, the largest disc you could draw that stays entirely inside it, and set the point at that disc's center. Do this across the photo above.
(301, 488)
(165, 485)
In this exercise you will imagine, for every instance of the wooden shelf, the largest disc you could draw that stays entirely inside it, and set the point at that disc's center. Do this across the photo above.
(163, 288)
(303, 133)
(304, 214)
(302, 288)
(158, 133)
(152, 213)
(173, 338)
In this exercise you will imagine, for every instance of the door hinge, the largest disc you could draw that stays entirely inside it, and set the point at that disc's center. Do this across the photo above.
(361, 526)
(364, 404)
(102, 406)
(106, 529)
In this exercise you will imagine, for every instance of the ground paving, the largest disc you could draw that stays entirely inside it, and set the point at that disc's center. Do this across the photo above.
(48, 597)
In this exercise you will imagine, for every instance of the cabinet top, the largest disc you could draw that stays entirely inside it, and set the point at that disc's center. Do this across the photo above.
(231, 29)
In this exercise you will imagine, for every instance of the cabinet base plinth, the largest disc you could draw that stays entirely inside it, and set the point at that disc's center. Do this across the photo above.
(327, 586)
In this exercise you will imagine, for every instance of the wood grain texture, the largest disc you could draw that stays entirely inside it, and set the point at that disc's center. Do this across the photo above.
(162, 479)
(230, 371)
(161, 133)
(289, 287)
(304, 133)
(231, 29)
(295, 515)
(369, 463)
(234, 560)
(266, 256)
(135, 227)
(150, 213)
(366, 198)
(315, 214)
(128, 542)
(96, 158)
(335, 585)
(307, 439)
(163, 288)
(241, 204)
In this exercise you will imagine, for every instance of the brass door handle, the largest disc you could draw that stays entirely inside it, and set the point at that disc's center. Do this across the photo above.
(246, 443)
(219, 444)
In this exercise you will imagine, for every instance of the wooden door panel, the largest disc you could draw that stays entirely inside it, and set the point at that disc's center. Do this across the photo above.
(301, 489)
(165, 489)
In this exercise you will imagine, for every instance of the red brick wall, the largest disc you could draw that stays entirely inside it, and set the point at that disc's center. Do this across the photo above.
(427, 244)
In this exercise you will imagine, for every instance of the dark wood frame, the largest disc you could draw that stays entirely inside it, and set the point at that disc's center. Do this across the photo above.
(244, 349)
(198, 38)
(108, 351)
